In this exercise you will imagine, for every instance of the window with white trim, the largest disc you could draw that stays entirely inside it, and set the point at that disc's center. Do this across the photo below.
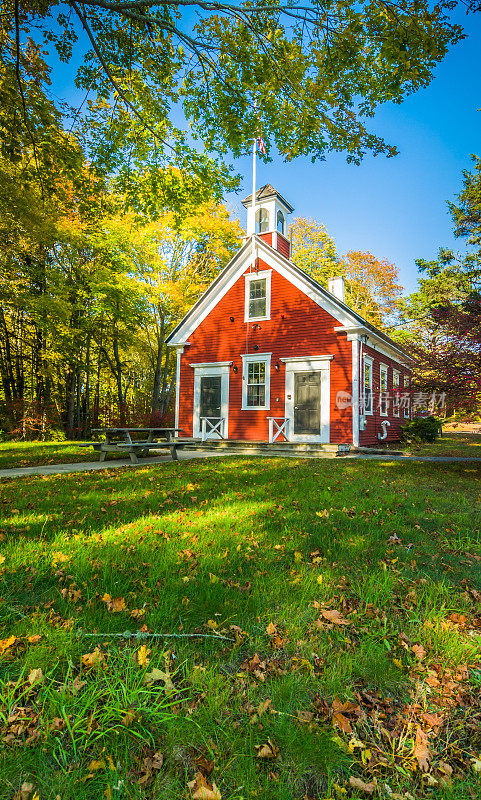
(407, 399)
(258, 296)
(280, 222)
(367, 380)
(256, 381)
(383, 401)
(262, 220)
(395, 390)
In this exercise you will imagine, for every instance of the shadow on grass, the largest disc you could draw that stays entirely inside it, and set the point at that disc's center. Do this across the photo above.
(202, 546)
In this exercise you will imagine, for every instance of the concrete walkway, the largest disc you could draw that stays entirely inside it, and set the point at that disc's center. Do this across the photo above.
(86, 466)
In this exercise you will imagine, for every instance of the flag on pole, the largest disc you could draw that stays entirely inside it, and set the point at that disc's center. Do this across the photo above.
(261, 145)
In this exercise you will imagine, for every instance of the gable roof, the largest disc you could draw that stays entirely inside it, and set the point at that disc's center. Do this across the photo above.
(264, 193)
(350, 320)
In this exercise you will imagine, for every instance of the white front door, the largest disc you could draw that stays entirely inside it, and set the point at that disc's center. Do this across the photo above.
(211, 398)
(308, 397)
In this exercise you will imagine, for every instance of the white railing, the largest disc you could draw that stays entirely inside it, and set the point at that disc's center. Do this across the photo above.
(281, 425)
(212, 428)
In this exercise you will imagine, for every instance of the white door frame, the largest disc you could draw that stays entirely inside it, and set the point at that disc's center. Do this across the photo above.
(222, 369)
(320, 364)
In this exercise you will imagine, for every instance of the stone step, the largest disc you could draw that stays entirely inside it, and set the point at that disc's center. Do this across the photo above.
(263, 447)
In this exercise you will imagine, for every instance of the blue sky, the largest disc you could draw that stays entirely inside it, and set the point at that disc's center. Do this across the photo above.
(396, 208)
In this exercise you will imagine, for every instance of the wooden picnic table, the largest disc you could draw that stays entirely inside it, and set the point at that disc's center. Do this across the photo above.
(124, 440)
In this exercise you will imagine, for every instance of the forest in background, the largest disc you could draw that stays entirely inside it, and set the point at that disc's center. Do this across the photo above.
(111, 218)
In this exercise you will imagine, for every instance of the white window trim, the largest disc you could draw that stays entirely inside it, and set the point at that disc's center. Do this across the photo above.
(256, 358)
(395, 407)
(254, 276)
(222, 369)
(370, 361)
(383, 369)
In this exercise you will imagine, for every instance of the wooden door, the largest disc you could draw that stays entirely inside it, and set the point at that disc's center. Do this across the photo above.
(210, 396)
(307, 403)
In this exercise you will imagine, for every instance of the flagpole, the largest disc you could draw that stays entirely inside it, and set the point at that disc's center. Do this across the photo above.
(254, 148)
(254, 185)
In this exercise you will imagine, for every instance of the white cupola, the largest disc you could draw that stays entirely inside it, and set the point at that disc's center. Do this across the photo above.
(269, 218)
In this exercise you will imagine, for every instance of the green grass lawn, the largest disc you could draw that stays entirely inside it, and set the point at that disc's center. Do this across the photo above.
(452, 443)
(29, 454)
(337, 607)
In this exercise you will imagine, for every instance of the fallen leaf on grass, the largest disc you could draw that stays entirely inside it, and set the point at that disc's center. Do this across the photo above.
(27, 791)
(334, 616)
(433, 720)
(421, 750)
(341, 722)
(271, 629)
(158, 675)
(202, 790)
(419, 651)
(267, 751)
(357, 783)
(35, 676)
(128, 718)
(96, 766)
(93, 660)
(34, 639)
(2, 559)
(115, 605)
(143, 656)
(5, 644)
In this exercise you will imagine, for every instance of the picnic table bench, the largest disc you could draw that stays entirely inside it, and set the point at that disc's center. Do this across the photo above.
(120, 440)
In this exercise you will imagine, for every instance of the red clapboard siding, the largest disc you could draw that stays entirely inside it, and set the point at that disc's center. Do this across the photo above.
(283, 245)
(373, 422)
(297, 327)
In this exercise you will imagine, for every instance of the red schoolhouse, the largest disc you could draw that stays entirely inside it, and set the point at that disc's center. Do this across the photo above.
(267, 354)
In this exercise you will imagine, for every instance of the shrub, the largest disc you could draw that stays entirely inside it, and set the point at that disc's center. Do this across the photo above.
(421, 429)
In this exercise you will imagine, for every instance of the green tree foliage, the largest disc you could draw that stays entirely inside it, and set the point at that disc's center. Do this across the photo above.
(310, 75)
(443, 317)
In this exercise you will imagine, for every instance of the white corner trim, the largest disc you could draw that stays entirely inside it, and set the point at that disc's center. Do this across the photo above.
(254, 276)
(294, 359)
(355, 393)
(180, 350)
(212, 364)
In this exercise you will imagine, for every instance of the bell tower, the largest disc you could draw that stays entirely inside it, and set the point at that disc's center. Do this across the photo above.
(268, 219)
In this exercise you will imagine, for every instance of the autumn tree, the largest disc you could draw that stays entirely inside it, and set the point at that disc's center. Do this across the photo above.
(313, 250)
(175, 260)
(371, 284)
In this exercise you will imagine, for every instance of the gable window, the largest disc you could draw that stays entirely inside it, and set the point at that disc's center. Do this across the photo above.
(258, 296)
(256, 381)
(280, 222)
(367, 377)
(395, 391)
(262, 220)
(383, 401)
